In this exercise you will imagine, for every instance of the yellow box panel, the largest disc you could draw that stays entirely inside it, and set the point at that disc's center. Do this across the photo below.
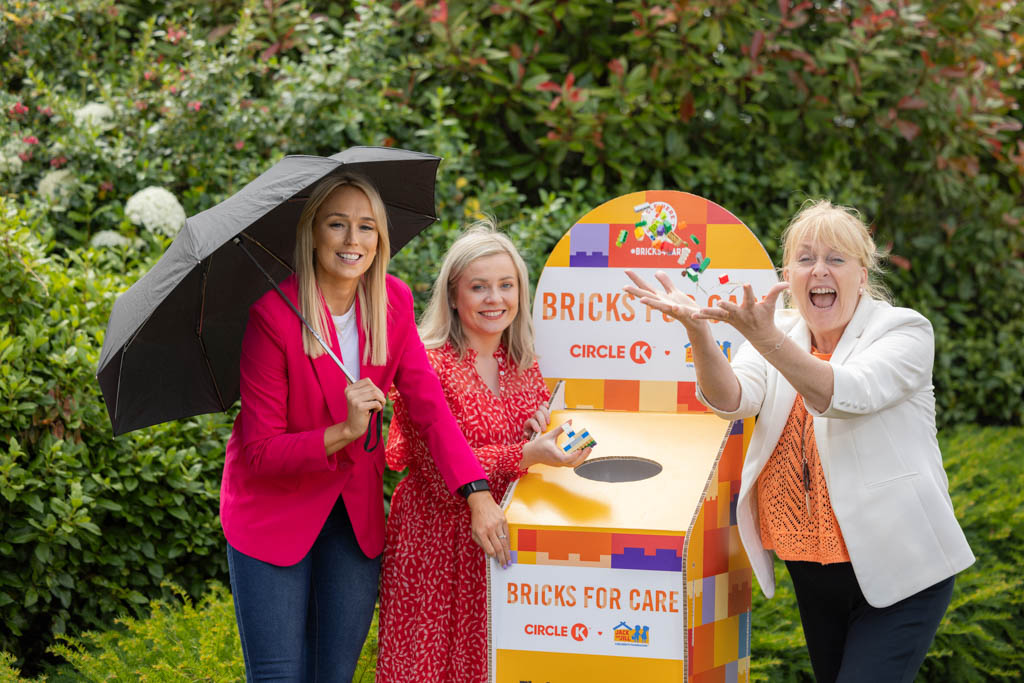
(586, 394)
(727, 640)
(618, 210)
(516, 666)
(658, 396)
(734, 246)
(684, 445)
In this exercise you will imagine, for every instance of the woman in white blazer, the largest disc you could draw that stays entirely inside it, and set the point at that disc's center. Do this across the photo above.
(843, 477)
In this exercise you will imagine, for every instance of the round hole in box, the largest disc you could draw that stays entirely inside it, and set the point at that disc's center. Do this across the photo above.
(618, 469)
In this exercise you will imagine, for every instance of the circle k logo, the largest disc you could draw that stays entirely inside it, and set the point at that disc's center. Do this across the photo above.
(579, 632)
(640, 352)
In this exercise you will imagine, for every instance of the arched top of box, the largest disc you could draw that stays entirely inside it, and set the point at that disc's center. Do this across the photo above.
(613, 352)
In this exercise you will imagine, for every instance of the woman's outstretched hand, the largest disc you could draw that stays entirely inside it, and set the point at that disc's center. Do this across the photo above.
(754, 319)
(545, 450)
(672, 302)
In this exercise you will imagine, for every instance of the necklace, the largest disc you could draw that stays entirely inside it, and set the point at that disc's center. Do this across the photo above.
(806, 470)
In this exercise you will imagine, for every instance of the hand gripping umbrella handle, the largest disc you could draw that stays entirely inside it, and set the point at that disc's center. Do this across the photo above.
(377, 427)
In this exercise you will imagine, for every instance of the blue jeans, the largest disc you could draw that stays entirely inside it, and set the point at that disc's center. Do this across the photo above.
(306, 622)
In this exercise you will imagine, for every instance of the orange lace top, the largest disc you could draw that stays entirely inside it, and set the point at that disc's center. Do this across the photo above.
(795, 526)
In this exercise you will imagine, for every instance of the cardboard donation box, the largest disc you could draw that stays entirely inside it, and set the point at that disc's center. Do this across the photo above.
(630, 567)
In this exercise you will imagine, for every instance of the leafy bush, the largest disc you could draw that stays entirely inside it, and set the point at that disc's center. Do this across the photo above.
(179, 641)
(92, 524)
(759, 106)
(195, 643)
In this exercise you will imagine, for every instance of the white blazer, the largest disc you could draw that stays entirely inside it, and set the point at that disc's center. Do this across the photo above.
(877, 446)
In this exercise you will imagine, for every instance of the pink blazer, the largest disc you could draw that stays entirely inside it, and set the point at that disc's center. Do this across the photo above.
(279, 483)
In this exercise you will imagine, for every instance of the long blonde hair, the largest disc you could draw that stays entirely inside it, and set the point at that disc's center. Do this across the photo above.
(440, 324)
(840, 228)
(371, 293)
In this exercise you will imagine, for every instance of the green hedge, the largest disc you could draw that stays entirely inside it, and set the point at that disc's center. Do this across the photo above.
(756, 106)
(908, 112)
(92, 525)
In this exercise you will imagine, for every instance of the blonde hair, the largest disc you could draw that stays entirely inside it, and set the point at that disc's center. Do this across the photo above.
(441, 324)
(371, 293)
(840, 228)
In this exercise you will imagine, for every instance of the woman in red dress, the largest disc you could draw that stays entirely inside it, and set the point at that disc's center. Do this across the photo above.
(479, 337)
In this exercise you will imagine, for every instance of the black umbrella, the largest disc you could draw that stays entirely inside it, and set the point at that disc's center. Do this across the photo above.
(173, 341)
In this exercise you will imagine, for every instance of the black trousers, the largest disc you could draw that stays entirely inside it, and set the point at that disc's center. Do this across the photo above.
(850, 641)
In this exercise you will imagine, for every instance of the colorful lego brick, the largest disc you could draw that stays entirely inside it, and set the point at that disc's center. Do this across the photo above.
(623, 235)
(641, 207)
(723, 279)
(674, 238)
(639, 234)
(704, 264)
(684, 256)
(693, 238)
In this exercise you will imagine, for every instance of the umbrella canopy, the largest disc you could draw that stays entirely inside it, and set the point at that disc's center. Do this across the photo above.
(173, 341)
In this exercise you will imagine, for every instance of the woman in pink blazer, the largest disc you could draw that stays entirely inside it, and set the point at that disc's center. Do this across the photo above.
(301, 498)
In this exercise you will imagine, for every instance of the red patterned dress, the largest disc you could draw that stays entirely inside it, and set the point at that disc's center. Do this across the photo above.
(433, 612)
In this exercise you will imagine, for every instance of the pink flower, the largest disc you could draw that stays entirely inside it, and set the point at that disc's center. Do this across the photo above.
(45, 111)
(17, 109)
(239, 144)
(195, 105)
(173, 89)
(30, 140)
(440, 13)
(175, 34)
(148, 75)
(107, 186)
(140, 105)
(25, 156)
(57, 162)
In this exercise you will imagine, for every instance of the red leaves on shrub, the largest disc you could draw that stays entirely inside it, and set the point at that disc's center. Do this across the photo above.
(687, 109)
(908, 129)
(756, 44)
(911, 102)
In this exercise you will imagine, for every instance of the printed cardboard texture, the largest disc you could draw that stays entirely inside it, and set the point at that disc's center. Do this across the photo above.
(613, 352)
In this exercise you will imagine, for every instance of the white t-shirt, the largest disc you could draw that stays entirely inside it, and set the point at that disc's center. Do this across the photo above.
(348, 338)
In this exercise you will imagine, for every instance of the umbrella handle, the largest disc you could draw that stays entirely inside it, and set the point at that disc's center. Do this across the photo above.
(375, 429)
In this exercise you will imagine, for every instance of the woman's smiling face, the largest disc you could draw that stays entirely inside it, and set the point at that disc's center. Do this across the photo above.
(826, 285)
(344, 236)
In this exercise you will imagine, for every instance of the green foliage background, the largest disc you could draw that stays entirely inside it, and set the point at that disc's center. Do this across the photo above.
(542, 110)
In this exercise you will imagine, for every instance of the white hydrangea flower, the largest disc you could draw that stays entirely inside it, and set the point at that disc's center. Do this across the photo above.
(56, 186)
(155, 209)
(9, 163)
(94, 114)
(109, 238)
